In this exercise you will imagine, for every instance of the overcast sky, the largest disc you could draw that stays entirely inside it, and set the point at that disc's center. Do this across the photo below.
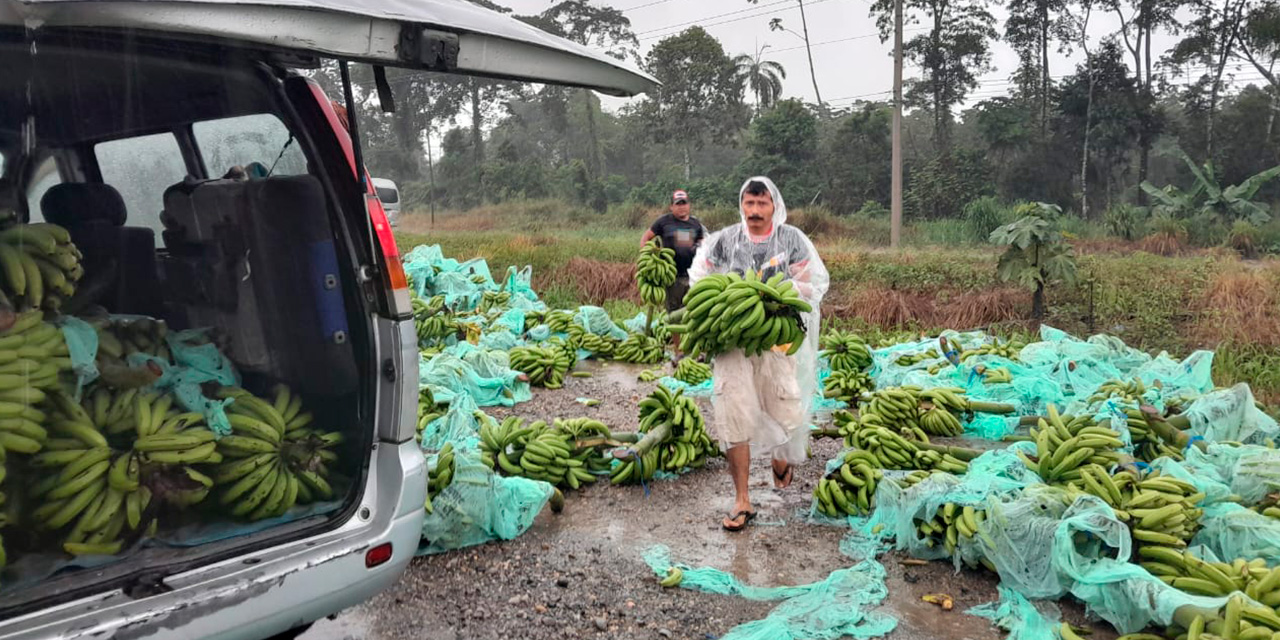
(850, 61)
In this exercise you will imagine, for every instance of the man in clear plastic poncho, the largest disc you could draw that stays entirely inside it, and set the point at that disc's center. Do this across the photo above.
(763, 401)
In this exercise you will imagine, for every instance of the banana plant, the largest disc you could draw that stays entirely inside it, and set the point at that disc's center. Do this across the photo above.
(1226, 204)
(1036, 253)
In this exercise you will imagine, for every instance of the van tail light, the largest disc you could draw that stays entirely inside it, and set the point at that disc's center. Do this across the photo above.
(396, 282)
(377, 556)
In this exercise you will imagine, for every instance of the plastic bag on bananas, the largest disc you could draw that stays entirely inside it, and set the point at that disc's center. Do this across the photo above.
(785, 250)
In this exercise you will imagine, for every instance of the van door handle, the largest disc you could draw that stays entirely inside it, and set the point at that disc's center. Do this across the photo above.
(389, 369)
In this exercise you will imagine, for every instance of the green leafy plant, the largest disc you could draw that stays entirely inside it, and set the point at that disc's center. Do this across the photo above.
(1125, 221)
(982, 215)
(1226, 204)
(1245, 238)
(1036, 253)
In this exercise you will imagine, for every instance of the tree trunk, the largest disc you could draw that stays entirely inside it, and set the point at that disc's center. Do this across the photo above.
(597, 158)
(804, 23)
(1226, 39)
(940, 133)
(688, 164)
(477, 136)
(1088, 126)
(431, 174)
(1144, 138)
(1044, 70)
(1037, 297)
(407, 139)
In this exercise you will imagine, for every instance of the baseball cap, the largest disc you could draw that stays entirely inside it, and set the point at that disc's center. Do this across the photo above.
(680, 196)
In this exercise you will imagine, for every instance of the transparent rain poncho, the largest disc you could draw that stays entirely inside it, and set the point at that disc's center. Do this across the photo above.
(787, 250)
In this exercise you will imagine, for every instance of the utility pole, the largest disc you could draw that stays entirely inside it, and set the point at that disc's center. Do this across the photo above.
(804, 23)
(895, 221)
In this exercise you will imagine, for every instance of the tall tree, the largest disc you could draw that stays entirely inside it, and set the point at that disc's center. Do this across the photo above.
(1210, 41)
(853, 159)
(782, 144)
(700, 99)
(776, 25)
(952, 54)
(1139, 20)
(763, 77)
(1031, 30)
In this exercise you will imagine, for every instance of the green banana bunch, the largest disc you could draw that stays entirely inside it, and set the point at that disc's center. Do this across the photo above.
(951, 523)
(4, 515)
(477, 279)
(1239, 619)
(117, 338)
(897, 449)
(1065, 444)
(546, 366)
(1008, 350)
(847, 385)
(660, 328)
(675, 437)
(898, 407)
(41, 266)
(997, 375)
(534, 318)
(274, 458)
(428, 410)
(602, 346)
(724, 312)
(649, 375)
(566, 348)
(850, 489)
(911, 359)
(690, 371)
(432, 319)
(559, 320)
(640, 349)
(1272, 511)
(655, 271)
(32, 355)
(540, 452)
(1127, 391)
(1147, 444)
(1182, 569)
(439, 475)
(845, 351)
(494, 301)
(1161, 510)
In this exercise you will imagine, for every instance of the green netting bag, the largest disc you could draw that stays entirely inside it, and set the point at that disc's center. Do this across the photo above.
(458, 425)
(1231, 415)
(479, 506)
(82, 347)
(836, 607)
(483, 375)
(597, 321)
(1017, 615)
(1231, 531)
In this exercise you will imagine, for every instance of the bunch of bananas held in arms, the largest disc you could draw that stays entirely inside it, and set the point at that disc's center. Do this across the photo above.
(655, 271)
(272, 459)
(690, 371)
(845, 351)
(546, 366)
(723, 312)
(675, 437)
(41, 266)
(544, 452)
(639, 348)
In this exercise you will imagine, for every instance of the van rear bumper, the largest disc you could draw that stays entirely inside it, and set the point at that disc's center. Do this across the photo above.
(258, 595)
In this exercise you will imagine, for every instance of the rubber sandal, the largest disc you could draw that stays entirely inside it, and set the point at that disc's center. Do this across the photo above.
(747, 517)
(786, 476)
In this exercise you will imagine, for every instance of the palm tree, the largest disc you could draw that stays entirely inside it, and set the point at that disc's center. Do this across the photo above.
(764, 77)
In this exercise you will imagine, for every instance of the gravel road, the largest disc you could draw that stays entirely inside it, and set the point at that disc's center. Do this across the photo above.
(579, 574)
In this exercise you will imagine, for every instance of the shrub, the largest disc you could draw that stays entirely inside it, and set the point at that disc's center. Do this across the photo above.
(982, 216)
(1244, 238)
(1126, 221)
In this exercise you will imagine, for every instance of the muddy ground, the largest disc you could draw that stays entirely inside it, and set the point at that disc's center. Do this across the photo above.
(579, 574)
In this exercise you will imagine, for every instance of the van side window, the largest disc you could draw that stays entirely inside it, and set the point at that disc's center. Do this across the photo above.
(141, 169)
(45, 176)
(241, 140)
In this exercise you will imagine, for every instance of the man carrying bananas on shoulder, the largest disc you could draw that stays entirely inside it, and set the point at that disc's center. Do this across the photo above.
(763, 400)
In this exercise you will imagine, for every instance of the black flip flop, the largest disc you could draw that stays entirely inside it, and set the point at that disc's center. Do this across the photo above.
(788, 476)
(747, 517)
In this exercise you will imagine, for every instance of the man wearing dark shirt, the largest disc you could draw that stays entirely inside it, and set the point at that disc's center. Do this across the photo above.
(682, 232)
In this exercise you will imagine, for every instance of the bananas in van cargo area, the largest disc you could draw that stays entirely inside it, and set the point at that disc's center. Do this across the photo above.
(845, 351)
(273, 459)
(546, 366)
(690, 371)
(723, 312)
(655, 271)
(41, 266)
(639, 348)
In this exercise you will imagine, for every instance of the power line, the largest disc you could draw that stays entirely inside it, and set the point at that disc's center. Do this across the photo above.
(724, 22)
(646, 5)
(713, 17)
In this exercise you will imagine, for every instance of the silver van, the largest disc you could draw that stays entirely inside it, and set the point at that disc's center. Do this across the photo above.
(389, 194)
(214, 193)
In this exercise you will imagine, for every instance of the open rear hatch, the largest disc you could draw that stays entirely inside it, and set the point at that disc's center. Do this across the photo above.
(189, 369)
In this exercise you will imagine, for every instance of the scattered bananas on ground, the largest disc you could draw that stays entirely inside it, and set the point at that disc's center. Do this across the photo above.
(997, 375)
(845, 351)
(639, 348)
(847, 385)
(543, 452)
(1126, 391)
(910, 359)
(724, 312)
(655, 271)
(439, 474)
(428, 410)
(432, 320)
(675, 437)
(850, 489)
(41, 267)
(546, 366)
(951, 523)
(1008, 350)
(690, 371)
(1066, 444)
(649, 375)
(601, 346)
(273, 459)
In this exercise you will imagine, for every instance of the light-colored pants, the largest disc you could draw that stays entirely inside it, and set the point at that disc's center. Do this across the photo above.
(757, 399)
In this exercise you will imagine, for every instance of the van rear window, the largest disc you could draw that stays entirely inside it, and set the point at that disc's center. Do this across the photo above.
(140, 168)
(243, 140)
(388, 196)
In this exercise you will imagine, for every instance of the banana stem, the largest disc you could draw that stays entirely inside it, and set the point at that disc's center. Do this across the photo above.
(829, 432)
(959, 453)
(1168, 431)
(627, 437)
(991, 407)
(1030, 421)
(655, 436)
